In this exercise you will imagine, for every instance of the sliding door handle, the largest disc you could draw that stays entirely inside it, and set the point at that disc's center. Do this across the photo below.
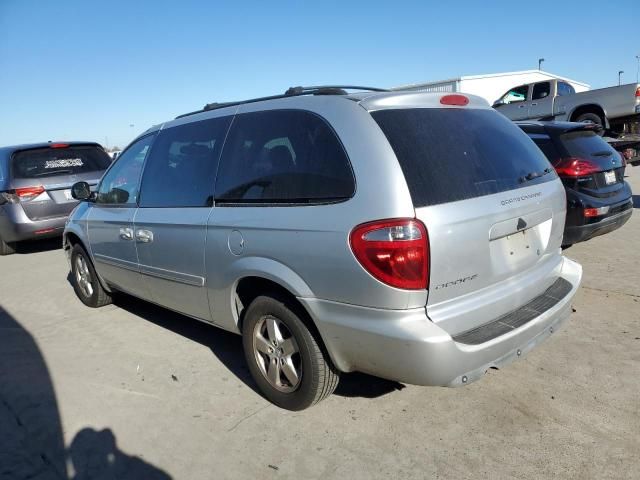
(144, 236)
(126, 233)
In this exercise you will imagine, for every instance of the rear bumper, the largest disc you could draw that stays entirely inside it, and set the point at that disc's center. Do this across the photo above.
(15, 226)
(404, 345)
(581, 233)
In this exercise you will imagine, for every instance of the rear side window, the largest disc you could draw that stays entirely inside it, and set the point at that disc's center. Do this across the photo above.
(283, 156)
(448, 155)
(181, 168)
(49, 162)
(565, 89)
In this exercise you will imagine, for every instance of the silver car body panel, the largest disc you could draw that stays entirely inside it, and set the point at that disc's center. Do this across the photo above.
(198, 256)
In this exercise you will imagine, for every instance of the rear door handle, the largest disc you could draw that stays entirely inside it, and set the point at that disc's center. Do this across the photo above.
(534, 104)
(144, 236)
(126, 233)
(521, 106)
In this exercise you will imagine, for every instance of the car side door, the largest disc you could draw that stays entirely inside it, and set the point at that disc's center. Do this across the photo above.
(541, 100)
(110, 221)
(514, 104)
(176, 199)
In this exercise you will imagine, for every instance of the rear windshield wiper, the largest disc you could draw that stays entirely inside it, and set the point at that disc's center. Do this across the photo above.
(530, 176)
(56, 172)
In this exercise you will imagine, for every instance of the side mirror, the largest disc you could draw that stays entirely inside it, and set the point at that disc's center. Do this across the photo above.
(498, 103)
(115, 155)
(81, 191)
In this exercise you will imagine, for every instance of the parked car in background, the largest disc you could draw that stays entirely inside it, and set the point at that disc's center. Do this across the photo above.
(615, 108)
(599, 200)
(443, 262)
(35, 187)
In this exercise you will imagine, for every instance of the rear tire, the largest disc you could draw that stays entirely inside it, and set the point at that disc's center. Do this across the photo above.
(85, 280)
(7, 248)
(592, 118)
(284, 356)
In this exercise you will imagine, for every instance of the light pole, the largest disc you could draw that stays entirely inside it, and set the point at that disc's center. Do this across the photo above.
(620, 72)
(638, 70)
(540, 60)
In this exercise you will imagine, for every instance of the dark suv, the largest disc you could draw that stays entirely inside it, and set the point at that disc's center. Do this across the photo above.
(35, 183)
(598, 199)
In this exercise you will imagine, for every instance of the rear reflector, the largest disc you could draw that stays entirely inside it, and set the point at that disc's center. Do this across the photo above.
(576, 167)
(28, 193)
(595, 212)
(396, 252)
(458, 100)
(59, 145)
(44, 230)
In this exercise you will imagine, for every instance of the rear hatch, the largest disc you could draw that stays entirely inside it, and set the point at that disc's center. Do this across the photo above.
(41, 178)
(589, 164)
(493, 208)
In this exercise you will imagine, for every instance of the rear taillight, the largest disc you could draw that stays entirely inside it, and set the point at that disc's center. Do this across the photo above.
(576, 167)
(595, 212)
(59, 145)
(455, 99)
(638, 91)
(396, 252)
(28, 193)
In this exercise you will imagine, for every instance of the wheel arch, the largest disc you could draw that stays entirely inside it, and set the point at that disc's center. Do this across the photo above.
(590, 108)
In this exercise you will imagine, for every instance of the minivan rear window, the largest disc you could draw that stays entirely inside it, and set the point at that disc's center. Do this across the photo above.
(448, 155)
(48, 162)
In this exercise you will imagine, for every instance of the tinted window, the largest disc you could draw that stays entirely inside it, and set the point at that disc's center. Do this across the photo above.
(548, 148)
(120, 184)
(47, 162)
(589, 145)
(565, 89)
(283, 156)
(517, 94)
(541, 90)
(454, 154)
(181, 168)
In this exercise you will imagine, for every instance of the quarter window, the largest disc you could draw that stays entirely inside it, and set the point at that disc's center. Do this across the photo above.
(181, 168)
(120, 184)
(283, 156)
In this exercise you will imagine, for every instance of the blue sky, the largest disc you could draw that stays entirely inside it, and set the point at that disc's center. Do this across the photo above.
(88, 70)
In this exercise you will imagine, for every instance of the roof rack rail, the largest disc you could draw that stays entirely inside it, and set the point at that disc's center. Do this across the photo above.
(291, 92)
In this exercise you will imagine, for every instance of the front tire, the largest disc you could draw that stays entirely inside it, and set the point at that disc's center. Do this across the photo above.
(7, 248)
(85, 280)
(283, 355)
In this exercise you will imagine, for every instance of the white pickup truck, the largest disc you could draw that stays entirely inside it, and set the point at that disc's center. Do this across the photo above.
(617, 109)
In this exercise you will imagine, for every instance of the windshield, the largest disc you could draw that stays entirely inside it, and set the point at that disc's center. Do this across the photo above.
(455, 154)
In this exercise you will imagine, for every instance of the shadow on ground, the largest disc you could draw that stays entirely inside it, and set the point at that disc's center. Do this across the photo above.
(227, 347)
(31, 438)
(37, 246)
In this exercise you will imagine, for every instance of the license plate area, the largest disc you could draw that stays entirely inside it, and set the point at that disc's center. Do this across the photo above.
(610, 177)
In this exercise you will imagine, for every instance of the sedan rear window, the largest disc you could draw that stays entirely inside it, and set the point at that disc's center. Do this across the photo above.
(448, 155)
(48, 162)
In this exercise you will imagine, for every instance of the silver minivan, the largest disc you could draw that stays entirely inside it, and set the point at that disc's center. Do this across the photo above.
(413, 236)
